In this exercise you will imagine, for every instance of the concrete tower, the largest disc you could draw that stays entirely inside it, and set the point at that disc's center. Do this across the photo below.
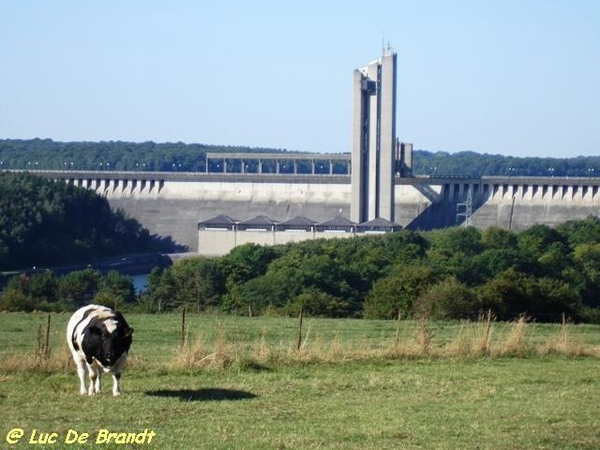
(374, 140)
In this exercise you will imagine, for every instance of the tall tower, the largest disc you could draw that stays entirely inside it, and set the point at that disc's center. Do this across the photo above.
(374, 139)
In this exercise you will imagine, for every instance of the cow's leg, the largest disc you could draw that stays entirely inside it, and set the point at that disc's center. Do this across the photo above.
(93, 372)
(99, 381)
(81, 372)
(116, 383)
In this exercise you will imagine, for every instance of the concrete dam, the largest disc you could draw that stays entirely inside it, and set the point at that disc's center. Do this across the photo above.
(300, 196)
(171, 204)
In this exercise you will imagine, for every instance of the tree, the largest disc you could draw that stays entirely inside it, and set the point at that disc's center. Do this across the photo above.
(587, 273)
(511, 294)
(448, 299)
(453, 273)
(497, 238)
(79, 288)
(246, 262)
(586, 231)
(43, 289)
(397, 292)
(200, 283)
(46, 223)
(115, 290)
(317, 303)
(465, 240)
(491, 262)
(13, 300)
(162, 291)
(536, 239)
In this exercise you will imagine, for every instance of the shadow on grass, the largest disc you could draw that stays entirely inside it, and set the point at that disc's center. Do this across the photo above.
(202, 395)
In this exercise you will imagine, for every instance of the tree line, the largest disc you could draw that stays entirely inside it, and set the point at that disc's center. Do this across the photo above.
(472, 164)
(38, 154)
(452, 273)
(455, 273)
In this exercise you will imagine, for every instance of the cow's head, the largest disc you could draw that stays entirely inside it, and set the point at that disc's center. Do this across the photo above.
(115, 340)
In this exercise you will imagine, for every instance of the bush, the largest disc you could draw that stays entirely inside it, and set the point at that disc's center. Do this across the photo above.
(397, 292)
(448, 299)
(13, 300)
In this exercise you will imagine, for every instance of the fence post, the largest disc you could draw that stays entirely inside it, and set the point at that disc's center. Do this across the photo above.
(299, 343)
(47, 343)
(182, 327)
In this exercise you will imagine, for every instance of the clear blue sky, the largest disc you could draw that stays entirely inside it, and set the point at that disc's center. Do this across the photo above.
(514, 77)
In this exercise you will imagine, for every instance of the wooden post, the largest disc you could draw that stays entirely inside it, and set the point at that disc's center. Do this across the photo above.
(299, 343)
(398, 321)
(182, 327)
(47, 343)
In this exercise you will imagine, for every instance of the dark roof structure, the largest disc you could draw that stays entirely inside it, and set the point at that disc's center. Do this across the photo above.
(299, 223)
(220, 221)
(336, 224)
(257, 223)
(378, 225)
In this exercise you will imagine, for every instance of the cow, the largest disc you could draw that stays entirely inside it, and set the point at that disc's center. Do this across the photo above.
(99, 339)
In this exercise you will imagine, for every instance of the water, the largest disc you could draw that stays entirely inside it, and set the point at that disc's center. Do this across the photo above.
(140, 282)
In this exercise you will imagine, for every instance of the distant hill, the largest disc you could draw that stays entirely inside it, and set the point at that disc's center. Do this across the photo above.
(150, 156)
(477, 164)
(112, 155)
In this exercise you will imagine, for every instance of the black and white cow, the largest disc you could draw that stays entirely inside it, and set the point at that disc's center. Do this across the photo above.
(99, 339)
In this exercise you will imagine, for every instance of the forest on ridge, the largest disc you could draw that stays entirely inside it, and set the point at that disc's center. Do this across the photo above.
(40, 154)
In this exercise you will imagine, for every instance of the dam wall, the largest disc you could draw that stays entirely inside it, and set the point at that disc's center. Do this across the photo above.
(171, 204)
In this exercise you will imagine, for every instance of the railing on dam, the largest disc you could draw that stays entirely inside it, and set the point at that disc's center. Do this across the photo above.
(449, 188)
(508, 188)
(278, 163)
(132, 181)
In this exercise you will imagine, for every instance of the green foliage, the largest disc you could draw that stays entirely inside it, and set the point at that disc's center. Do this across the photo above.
(196, 283)
(246, 262)
(13, 299)
(453, 273)
(176, 156)
(79, 288)
(162, 289)
(395, 294)
(496, 238)
(113, 155)
(298, 275)
(45, 223)
(472, 164)
(448, 299)
(46, 292)
(115, 290)
(587, 258)
(586, 231)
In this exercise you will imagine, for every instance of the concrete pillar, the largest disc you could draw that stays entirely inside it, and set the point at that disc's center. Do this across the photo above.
(374, 140)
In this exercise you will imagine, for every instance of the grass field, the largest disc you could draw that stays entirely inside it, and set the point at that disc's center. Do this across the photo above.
(241, 383)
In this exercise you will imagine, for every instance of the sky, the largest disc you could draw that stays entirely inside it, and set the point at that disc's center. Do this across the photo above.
(510, 77)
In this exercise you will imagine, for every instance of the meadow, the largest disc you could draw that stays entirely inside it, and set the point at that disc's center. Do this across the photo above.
(254, 383)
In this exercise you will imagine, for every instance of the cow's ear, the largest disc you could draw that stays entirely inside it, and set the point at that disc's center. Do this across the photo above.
(95, 330)
(128, 331)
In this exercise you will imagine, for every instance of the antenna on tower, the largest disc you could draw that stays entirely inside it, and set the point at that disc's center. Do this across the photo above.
(385, 49)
